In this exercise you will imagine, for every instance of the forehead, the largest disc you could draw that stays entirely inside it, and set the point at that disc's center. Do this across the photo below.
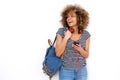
(71, 13)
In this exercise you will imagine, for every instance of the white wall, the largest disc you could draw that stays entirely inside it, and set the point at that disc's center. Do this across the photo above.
(25, 26)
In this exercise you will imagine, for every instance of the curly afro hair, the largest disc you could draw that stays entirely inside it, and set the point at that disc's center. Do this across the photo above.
(82, 16)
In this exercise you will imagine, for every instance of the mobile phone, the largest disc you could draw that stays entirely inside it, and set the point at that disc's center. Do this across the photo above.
(76, 43)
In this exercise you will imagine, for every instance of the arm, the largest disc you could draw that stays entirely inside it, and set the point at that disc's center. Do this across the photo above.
(84, 52)
(61, 43)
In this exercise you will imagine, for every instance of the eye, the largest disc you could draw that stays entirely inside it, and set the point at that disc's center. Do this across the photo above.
(66, 17)
(73, 15)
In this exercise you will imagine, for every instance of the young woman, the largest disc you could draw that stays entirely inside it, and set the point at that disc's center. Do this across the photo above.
(72, 43)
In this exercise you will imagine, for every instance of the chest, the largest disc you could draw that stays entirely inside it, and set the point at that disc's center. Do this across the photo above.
(75, 37)
(79, 39)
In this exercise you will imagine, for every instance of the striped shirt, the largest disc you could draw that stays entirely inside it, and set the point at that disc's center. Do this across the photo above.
(72, 59)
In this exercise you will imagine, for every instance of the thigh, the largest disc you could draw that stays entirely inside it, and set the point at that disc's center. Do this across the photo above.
(82, 74)
(66, 74)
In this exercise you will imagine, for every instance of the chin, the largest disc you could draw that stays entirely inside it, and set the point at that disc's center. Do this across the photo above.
(70, 25)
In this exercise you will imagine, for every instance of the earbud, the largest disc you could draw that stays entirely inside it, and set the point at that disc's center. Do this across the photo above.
(80, 31)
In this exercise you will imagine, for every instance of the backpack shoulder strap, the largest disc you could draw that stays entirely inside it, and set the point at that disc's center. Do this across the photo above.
(54, 41)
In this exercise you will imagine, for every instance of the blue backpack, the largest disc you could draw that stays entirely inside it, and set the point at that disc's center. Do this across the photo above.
(51, 63)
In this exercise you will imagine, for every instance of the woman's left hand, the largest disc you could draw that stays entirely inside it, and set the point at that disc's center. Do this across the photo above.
(77, 47)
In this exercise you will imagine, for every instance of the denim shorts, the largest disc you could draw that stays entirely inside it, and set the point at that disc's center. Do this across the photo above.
(73, 74)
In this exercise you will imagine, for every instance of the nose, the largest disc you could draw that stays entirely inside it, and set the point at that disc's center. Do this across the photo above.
(69, 18)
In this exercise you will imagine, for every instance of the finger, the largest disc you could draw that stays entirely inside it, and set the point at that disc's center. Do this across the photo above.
(75, 46)
(78, 45)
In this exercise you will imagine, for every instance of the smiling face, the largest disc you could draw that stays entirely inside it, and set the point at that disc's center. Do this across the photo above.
(71, 19)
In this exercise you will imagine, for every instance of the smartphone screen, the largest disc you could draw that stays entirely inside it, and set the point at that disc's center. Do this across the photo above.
(76, 43)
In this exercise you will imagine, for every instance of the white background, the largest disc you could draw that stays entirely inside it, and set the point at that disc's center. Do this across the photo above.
(25, 26)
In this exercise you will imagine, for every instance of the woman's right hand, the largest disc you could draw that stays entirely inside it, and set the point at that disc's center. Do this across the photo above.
(67, 34)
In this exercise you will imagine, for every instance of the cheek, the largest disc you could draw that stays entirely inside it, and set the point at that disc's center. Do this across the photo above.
(67, 20)
(75, 20)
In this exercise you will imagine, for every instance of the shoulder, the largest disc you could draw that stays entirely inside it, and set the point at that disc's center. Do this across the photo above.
(86, 34)
(61, 31)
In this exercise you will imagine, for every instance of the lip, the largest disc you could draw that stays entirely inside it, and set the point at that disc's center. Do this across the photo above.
(70, 22)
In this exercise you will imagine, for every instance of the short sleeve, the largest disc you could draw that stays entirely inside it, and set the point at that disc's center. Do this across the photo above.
(86, 34)
(60, 32)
